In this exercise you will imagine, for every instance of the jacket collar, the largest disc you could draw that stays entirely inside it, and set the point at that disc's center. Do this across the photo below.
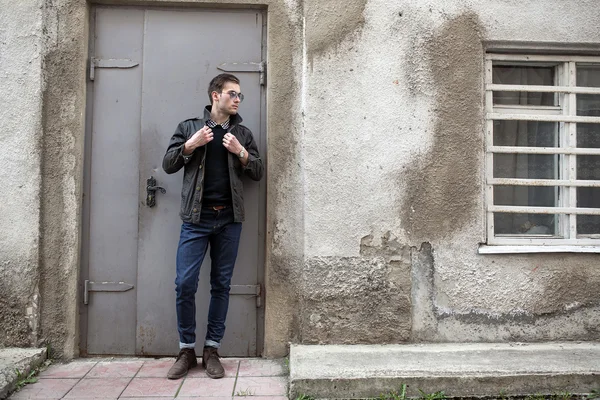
(233, 119)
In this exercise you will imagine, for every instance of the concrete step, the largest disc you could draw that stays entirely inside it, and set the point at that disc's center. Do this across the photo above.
(461, 370)
(17, 359)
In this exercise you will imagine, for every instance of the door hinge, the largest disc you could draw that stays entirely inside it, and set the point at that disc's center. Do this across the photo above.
(260, 67)
(110, 63)
(89, 286)
(248, 290)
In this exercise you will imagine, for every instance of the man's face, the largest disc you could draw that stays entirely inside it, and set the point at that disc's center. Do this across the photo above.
(227, 101)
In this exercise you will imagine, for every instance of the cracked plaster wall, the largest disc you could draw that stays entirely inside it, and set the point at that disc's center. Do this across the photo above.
(374, 209)
(394, 153)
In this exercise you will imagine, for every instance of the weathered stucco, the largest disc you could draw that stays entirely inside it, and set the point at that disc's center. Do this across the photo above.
(364, 298)
(20, 129)
(394, 147)
(327, 27)
(66, 25)
(375, 174)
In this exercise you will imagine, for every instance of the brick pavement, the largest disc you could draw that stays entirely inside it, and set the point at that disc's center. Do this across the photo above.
(142, 378)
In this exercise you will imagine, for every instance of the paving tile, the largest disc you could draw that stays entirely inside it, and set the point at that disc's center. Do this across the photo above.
(260, 398)
(155, 368)
(201, 398)
(107, 388)
(207, 388)
(229, 365)
(115, 369)
(45, 389)
(74, 369)
(261, 386)
(147, 398)
(146, 387)
(258, 367)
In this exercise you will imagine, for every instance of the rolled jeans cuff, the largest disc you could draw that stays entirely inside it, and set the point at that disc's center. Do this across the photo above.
(186, 345)
(212, 343)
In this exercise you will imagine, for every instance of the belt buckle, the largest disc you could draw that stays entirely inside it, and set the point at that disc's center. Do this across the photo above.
(218, 208)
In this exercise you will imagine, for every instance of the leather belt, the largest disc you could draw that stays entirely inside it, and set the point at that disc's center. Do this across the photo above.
(217, 208)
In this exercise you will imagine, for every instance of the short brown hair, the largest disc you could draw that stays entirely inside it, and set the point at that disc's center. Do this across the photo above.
(217, 83)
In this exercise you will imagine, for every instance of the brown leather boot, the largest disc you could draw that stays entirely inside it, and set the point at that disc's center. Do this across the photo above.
(186, 360)
(212, 364)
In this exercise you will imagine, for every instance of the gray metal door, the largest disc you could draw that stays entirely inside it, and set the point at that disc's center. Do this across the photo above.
(150, 70)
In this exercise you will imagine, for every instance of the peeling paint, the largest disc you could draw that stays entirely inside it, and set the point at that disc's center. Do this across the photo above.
(364, 299)
(355, 300)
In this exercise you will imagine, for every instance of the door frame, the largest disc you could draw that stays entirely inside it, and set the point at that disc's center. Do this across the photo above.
(87, 151)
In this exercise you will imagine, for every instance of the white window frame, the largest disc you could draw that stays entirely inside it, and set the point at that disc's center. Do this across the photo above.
(565, 115)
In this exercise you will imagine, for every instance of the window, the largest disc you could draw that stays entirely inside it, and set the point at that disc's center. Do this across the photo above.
(542, 150)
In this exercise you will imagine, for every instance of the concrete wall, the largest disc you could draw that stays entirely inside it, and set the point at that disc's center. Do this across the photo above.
(393, 153)
(21, 87)
(375, 151)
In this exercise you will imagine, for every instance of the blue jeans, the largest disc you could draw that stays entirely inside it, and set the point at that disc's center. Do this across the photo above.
(217, 229)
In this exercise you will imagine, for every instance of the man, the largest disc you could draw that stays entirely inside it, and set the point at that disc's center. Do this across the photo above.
(214, 151)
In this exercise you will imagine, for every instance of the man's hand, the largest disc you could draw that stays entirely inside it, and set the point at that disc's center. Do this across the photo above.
(233, 145)
(198, 139)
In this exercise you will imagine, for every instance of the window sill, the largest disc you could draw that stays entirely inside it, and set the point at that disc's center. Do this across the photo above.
(486, 249)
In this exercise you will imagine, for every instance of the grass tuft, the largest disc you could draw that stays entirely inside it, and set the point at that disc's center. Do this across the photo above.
(303, 396)
(245, 392)
(562, 396)
(594, 394)
(432, 396)
(23, 380)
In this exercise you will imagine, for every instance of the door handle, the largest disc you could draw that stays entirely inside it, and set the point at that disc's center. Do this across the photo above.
(151, 189)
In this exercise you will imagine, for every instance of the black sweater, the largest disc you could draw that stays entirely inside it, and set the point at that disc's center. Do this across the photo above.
(217, 190)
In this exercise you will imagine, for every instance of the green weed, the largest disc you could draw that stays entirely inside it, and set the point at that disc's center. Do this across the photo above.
(303, 396)
(49, 352)
(536, 396)
(23, 380)
(594, 394)
(394, 394)
(562, 396)
(286, 365)
(246, 392)
(432, 396)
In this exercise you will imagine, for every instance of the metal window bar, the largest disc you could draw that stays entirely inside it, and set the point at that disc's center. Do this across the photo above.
(544, 210)
(571, 141)
(561, 79)
(541, 117)
(527, 109)
(542, 89)
(542, 182)
(489, 156)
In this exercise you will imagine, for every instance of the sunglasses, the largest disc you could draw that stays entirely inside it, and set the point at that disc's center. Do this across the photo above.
(233, 95)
